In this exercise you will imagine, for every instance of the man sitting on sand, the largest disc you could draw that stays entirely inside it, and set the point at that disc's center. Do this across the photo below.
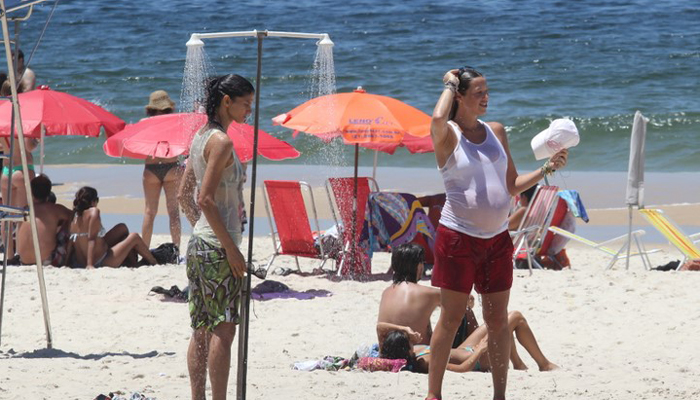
(52, 223)
(406, 303)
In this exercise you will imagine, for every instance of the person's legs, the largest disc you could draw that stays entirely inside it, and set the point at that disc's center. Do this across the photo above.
(170, 186)
(518, 362)
(518, 324)
(4, 187)
(151, 193)
(121, 250)
(197, 362)
(115, 235)
(452, 304)
(220, 358)
(495, 312)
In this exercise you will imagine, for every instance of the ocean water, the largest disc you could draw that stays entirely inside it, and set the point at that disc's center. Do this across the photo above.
(595, 62)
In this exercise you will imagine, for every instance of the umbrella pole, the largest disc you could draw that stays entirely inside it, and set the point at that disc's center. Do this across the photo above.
(629, 238)
(17, 118)
(353, 251)
(41, 148)
(245, 305)
(374, 170)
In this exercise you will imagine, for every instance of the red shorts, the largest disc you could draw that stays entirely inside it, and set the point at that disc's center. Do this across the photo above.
(463, 261)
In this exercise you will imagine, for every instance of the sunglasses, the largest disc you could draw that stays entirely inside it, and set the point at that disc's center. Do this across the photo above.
(465, 69)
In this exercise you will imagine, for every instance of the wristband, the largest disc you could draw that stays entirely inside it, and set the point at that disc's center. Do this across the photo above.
(451, 85)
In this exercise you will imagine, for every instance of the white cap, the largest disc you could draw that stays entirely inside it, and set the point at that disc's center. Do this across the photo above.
(561, 134)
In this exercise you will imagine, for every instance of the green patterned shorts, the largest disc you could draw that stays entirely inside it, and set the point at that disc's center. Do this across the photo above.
(215, 295)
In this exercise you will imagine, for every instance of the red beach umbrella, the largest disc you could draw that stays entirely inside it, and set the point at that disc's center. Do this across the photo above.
(58, 113)
(169, 135)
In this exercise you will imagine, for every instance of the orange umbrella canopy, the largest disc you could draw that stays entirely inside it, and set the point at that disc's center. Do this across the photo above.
(169, 135)
(359, 118)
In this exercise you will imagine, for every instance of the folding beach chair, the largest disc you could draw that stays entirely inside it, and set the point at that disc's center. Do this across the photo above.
(536, 220)
(673, 233)
(541, 246)
(284, 202)
(616, 254)
(342, 190)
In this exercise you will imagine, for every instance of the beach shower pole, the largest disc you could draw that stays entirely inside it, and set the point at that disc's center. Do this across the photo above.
(196, 41)
(17, 118)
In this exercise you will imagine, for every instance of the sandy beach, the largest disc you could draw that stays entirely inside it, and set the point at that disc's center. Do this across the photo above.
(616, 334)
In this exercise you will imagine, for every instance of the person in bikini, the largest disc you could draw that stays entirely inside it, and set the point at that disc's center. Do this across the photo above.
(13, 176)
(93, 246)
(472, 246)
(407, 306)
(402, 342)
(161, 174)
(52, 224)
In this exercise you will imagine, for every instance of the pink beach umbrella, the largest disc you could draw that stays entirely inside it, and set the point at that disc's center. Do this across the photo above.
(169, 135)
(58, 113)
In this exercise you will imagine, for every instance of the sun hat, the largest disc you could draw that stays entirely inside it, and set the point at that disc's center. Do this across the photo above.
(159, 100)
(561, 134)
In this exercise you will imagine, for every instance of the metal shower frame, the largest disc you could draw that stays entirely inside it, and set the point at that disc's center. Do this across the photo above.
(196, 41)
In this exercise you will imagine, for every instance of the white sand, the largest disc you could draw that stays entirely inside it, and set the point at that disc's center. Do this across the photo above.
(617, 334)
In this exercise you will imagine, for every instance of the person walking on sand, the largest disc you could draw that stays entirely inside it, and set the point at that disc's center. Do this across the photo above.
(215, 265)
(473, 247)
(161, 174)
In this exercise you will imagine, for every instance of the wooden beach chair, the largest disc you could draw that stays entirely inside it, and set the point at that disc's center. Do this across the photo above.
(536, 220)
(291, 233)
(673, 233)
(342, 191)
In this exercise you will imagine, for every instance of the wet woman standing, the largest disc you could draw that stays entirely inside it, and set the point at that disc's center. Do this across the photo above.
(215, 265)
(473, 247)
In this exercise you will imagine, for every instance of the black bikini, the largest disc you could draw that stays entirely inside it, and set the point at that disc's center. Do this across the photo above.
(161, 170)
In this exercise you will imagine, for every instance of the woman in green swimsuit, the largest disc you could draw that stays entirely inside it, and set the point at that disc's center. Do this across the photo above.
(12, 175)
(471, 355)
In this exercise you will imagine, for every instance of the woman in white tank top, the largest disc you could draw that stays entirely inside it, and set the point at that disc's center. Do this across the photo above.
(215, 265)
(473, 247)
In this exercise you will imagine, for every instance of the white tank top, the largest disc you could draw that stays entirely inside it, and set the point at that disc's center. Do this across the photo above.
(475, 185)
(227, 196)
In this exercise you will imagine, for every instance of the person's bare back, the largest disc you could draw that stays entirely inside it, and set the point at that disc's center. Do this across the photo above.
(409, 304)
(49, 217)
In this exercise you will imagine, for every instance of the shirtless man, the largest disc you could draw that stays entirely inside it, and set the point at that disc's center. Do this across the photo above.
(51, 223)
(406, 303)
(27, 78)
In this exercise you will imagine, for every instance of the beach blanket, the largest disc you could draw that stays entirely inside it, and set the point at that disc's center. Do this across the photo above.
(269, 289)
(365, 358)
(392, 219)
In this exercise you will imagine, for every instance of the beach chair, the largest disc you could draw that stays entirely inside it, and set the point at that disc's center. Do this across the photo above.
(291, 233)
(540, 247)
(342, 190)
(615, 254)
(673, 233)
(537, 218)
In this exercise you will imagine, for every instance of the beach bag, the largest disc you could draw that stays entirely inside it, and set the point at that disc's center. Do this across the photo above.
(166, 253)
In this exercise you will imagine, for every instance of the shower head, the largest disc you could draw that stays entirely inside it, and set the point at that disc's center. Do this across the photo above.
(326, 41)
(195, 41)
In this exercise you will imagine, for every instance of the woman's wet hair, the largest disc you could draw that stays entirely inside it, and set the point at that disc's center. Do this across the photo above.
(232, 85)
(404, 261)
(397, 346)
(466, 76)
(84, 198)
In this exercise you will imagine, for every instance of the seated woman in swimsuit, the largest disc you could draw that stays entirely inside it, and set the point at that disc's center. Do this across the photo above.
(93, 247)
(161, 175)
(471, 355)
